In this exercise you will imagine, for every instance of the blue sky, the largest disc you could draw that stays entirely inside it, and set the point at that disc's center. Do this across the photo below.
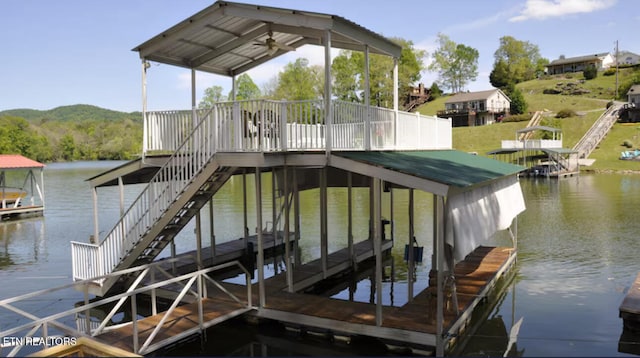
(58, 53)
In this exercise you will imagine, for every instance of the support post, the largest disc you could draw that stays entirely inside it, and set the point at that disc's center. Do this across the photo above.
(395, 100)
(367, 101)
(96, 236)
(377, 250)
(199, 240)
(121, 189)
(296, 213)
(327, 92)
(145, 125)
(440, 214)
(212, 233)
(287, 248)
(244, 207)
(350, 218)
(260, 259)
(411, 257)
(324, 240)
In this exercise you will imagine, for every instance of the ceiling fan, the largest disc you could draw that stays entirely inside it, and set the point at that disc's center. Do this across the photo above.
(272, 45)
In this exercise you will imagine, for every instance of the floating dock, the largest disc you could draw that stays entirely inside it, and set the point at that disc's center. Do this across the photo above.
(630, 307)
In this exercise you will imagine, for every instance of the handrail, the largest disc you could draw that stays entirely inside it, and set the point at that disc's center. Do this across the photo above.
(163, 189)
(37, 323)
(598, 130)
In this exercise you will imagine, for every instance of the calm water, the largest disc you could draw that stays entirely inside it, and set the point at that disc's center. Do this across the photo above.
(578, 254)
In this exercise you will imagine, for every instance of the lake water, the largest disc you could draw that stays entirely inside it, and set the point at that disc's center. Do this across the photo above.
(577, 255)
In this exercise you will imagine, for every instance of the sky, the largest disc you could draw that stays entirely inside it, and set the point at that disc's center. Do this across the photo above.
(66, 52)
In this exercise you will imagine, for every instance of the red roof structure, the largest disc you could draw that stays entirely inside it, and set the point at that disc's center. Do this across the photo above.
(17, 161)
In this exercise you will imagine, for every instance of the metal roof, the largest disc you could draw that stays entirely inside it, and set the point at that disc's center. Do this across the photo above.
(223, 37)
(450, 168)
(16, 161)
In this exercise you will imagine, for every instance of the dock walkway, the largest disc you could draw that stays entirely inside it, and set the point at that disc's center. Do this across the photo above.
(413, 323)
(630, 306)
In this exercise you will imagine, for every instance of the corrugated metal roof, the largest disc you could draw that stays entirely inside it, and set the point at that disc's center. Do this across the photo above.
(449, 167)
(473, 96)
(229, 38)
(16, 161)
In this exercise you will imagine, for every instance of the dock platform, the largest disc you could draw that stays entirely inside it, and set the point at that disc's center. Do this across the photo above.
(414, 323)
(630, 307)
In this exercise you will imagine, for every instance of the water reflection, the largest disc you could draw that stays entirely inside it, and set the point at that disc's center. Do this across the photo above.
(22, 242)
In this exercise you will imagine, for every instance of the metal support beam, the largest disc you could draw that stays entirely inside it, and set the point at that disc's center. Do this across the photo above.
(199, 240)
(350, 218)
(324, 239)
(96, 234)
(260, 259)
(377, 248)
(411, 257)
(367, 100)
(287, 243)
(212, 230)
(327, 92)
(440, 215)
(296, 222)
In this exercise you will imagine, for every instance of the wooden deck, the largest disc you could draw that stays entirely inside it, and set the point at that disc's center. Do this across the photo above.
(630, 306)
(182, 323)
(413, 323)
(227, 251)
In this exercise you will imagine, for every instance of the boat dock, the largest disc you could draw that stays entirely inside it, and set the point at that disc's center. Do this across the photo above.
(354, 154)
(21, 190)
(630, 307)
(413, 323)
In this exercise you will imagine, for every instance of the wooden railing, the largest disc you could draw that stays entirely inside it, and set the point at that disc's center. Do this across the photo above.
(531, 144)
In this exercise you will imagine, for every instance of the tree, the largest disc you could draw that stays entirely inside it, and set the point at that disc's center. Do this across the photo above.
(518, 103)
(456, 64)
(590, 72)
(212, 95)
(348, 74)
(435, 91)
(299, 81)
(516, 61)
(499, 76)
(247, 89)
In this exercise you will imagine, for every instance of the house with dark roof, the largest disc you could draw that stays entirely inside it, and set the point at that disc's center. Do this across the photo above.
(600, 61)
(476, 108)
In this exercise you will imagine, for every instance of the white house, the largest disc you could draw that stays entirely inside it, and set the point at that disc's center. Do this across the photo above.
(476, 108)
(601, 61)
(628, 58)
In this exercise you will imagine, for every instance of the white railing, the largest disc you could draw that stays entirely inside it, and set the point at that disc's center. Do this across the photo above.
(256, 125)
(265, 125)
(531, 144)
(195, 285)
(92, 260)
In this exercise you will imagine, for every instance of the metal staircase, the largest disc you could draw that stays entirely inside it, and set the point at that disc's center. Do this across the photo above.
(173, 196)
(597, 132)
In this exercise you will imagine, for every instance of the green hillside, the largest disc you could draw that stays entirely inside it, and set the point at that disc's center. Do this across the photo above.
(588, 104)
(77, 113)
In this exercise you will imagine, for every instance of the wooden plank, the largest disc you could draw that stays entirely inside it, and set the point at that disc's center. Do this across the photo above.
(631, 302)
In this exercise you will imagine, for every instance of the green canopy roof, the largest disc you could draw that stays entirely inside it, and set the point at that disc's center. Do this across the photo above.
(449, 167)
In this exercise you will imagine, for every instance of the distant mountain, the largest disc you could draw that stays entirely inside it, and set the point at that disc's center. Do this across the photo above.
(77, 113)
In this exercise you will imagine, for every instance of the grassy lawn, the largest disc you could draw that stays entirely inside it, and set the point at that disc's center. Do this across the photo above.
(589, 107)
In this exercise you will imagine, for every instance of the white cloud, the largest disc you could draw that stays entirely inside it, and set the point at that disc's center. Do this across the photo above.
(543, 9)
